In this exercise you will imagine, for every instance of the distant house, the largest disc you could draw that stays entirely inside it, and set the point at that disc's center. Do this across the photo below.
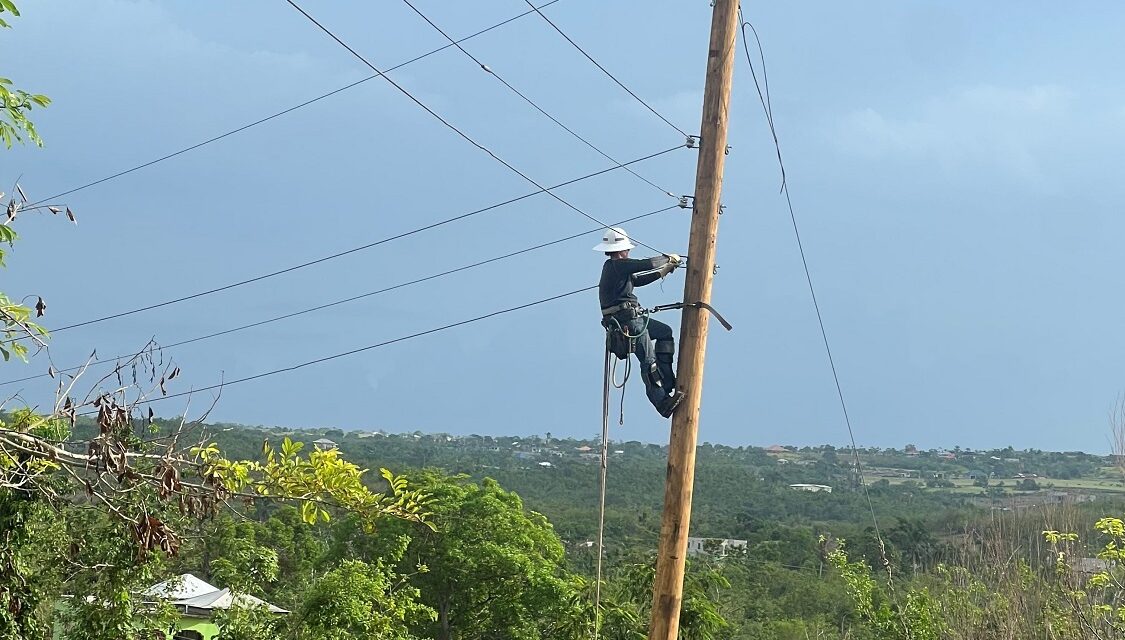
(977, 475)
(325, 444)
(545, 464)
(812, 488)
(196, 601)
(1090, 566)
(583, 449)
(776, 449)
(718, 547)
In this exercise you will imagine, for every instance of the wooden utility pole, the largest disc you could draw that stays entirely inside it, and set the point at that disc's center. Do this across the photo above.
(668, 587)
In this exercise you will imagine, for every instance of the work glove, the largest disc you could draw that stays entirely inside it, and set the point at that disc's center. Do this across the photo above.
(674, 259)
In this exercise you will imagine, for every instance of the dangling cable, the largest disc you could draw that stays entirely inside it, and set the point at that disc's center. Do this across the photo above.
(621, 406)
(624, 379)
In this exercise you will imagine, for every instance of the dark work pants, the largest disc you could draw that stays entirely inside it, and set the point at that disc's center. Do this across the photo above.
(654, 348)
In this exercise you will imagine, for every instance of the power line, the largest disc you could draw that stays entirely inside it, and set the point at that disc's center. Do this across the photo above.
(368, 294)
(363, 247)
(371, 346)
(289, 110)
(603, 69)
(528, 100)
(449, 124)
(767, 108)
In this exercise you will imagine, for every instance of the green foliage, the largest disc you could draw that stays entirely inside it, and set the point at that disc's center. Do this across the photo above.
(919, 617)
(104, 574)
(15, 104)
(491, 565)
(249, 623)
(29, 535)
(318, 481)
(360, 600)
(1096, 602)
(16, 324)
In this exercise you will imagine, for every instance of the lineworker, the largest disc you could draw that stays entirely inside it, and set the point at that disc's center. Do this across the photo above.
(653, 343)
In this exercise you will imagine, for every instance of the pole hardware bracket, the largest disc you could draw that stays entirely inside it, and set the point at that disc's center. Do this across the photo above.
(687, 201)
(691, 142)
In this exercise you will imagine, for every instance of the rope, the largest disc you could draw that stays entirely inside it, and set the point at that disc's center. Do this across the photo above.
(624, 379)
(607, 382)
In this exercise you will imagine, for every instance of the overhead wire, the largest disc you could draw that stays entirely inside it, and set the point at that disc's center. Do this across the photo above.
(285, 111)
(489, 70)
(448, 124)
(335, 303)
(604, 70)
(357, 249)
(763, 96)
(377, 345)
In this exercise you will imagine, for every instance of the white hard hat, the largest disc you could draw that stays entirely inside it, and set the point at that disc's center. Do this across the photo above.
(613, 240)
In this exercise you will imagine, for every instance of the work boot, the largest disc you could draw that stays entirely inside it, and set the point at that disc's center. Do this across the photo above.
(668, 406)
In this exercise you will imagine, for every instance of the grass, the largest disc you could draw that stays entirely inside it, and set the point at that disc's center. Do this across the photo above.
(966, 486)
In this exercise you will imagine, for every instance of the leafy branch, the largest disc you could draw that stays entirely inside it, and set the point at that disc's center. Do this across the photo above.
(15, 103)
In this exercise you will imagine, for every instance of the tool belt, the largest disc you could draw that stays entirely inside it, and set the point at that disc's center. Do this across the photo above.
(614, 319)
(631, 307)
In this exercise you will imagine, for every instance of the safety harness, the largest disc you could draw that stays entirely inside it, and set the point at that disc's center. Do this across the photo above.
(620, 342)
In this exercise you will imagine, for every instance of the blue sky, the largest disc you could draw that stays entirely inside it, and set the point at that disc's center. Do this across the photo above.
(955, 168)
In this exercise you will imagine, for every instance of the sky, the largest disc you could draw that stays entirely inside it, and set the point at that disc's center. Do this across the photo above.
(955, 169)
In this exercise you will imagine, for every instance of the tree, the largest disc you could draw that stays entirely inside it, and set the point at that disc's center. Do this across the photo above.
(360, 600)
(494, 569)
(700, 618)
(914, 540)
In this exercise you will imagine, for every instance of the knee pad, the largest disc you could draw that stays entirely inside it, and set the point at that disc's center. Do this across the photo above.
(664, 350)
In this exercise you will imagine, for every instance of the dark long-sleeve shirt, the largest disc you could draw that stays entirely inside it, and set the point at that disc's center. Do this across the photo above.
(620, 276)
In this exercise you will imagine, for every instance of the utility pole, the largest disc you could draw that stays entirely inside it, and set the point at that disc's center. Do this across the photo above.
(668, 587)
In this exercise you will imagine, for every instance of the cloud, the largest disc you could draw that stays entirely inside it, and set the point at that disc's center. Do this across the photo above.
(1008, 129)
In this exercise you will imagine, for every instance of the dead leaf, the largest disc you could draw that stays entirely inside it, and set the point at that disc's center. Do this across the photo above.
(54, 209)
(40, 307)
(70, 214)
(51, 371)
(20, 190)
